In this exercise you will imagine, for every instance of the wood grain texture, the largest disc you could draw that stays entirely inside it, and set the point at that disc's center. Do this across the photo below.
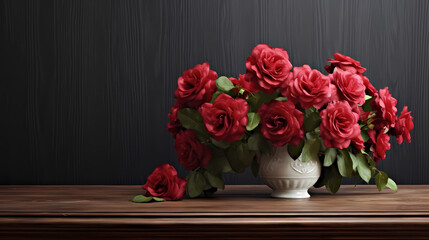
(86, 86)
(238, 212)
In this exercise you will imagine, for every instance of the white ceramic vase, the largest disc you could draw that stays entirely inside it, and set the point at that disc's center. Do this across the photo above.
(287, 177)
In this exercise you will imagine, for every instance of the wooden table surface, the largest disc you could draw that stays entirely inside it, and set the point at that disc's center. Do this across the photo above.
(237, 212)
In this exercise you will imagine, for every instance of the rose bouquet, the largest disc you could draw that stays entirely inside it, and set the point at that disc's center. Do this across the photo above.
(222, 125)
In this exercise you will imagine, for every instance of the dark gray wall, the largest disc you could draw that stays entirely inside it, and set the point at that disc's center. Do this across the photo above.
(86, 85)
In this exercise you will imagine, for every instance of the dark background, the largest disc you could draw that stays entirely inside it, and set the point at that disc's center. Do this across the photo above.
(86, 86)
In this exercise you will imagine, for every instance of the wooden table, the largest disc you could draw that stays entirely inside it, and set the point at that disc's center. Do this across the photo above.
(91, 212)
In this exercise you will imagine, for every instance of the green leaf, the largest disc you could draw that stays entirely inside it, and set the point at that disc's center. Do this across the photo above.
(255, 101)
(280, 99)
(345, 164)
(196, 184)
(220, 144)
(215, 95)
(157, 199)
(330, 157)
(192, 189)
(257, 142)
(219, 164)
(295, 151)
(381, 180)
(255, 167)
(224, 84)
(323, 148)
(310, 150)
(311, 121)
(323, 179)
(191, 119)
(312, 135)
(367, 105)
(355, 161)
(254, 119)
(364, 135)
(239, 157)
(370, 162)
(392, 185)
(367, 97)
(333, 181)
(363, 167)
(214, 180)
(141, 199)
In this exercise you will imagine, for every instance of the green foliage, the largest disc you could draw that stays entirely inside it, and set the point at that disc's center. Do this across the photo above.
(311, 121)
(392, 185)
(220, 144)
(215, 95)
(215, 180)
(256, 100)
(330, 157)
(144, 199)
(295, 151)
(224, 84)
(219, 164)
(333, 180)
(311, 149)
(354, 161)
(257, 142)
(364, 135)
(280, 99)
(239, 156)
(363, 168)
(345, 164)
(196, 183)
(191, 119)
(367, 105)
(381, 180)
(253, 122)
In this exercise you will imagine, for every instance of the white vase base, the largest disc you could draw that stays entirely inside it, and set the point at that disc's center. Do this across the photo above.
(280, 193)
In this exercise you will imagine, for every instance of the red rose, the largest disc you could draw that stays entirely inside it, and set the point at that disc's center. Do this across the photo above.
(281, 123)
(403, 125)
(164, 183)
(385, 105)
(350, 87)
(196, 86)
(339, 125)
(380, 144)
(190, 151)
(174, 126)
(346, 63)
(308, 87)
(267, 68)
(226, 118)
(242, 82)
